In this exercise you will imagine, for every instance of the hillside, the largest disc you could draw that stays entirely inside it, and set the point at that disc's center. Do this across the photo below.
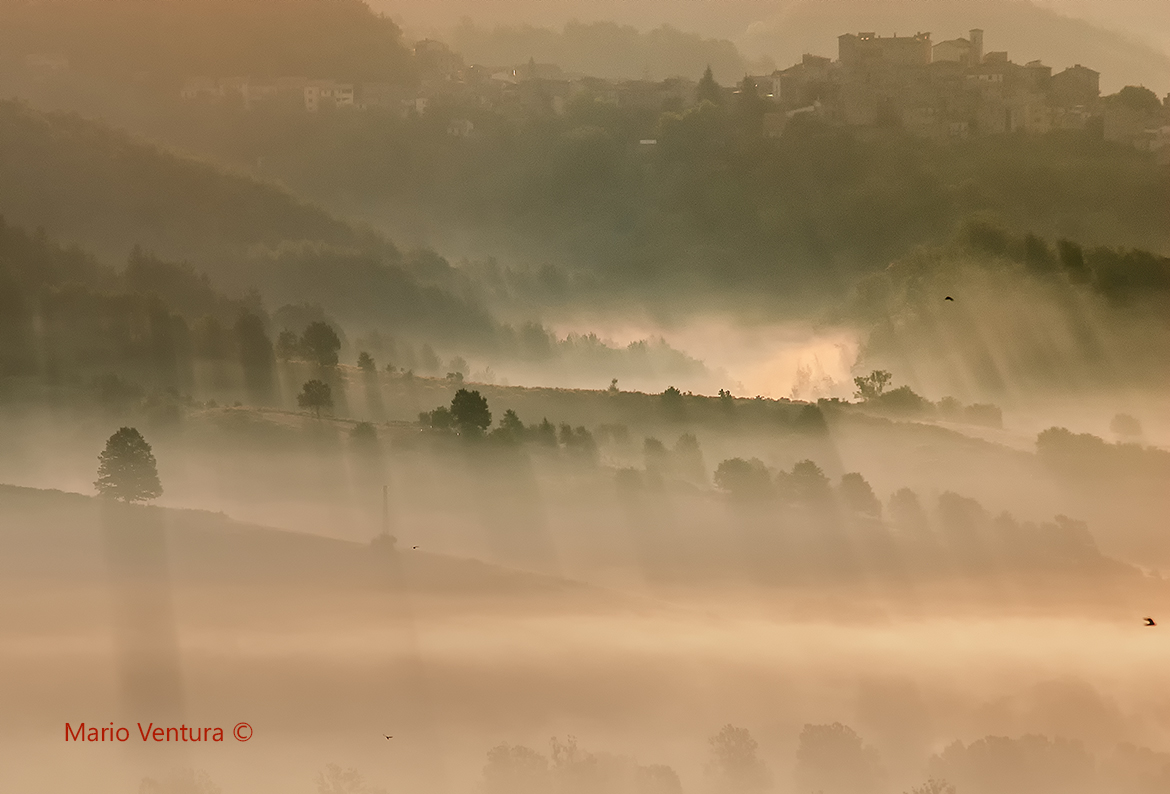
(53, 536)
(167, 42)
(108, 191)
(85, 184)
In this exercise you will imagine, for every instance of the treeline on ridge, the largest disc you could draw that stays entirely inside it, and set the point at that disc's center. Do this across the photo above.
(1024, 310)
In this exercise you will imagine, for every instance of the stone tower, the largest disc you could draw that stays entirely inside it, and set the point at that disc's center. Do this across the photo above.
(976, 47)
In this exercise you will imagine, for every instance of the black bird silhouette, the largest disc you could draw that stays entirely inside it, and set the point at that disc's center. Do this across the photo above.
(1150, 622)
(388, 737)
(414, 547)
(948, 298)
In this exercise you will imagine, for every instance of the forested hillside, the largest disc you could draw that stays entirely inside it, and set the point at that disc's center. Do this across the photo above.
(169, 41)
(1024, 312)
(712, 204)
(110, 191)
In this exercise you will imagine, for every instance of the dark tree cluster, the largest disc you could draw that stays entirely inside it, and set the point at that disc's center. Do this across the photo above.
(64, 314)
(1123, 275)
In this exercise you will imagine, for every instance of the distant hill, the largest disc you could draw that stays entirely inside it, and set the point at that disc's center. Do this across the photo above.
(87, 184)
(602, 49)
(108, 191)
(168, 41)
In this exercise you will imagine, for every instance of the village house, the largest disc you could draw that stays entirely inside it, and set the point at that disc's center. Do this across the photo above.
(327, 94)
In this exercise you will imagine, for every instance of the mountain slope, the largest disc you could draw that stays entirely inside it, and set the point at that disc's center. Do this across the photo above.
(87, 184)
(108, 191)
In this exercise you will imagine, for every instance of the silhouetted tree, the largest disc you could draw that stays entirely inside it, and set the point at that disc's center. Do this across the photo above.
(515, 769)
(672, 403)
(1126, 426)
(579, 442)
(511, 423)
(833, 759)
(708, 90)
(315, 395)
(127, 469)
(655, 455)
(733, 757)
(1137, 98)
(438, 419)
(1037, 255)
(657, 779)
(857, 495)
(871, 386)
(933, 786)
(511, 429)
(335, 780)
(469, 412)
(1072, 257)
(726, 401)
(906, 511)
(254, 345)
(288, 346)
(365, 362)
(364, 434)
(544, 433)
(811, 419)
(321, 343)
(902, 400)
(1028, 765)
(808, 483)
(743, 479)
(688, 458)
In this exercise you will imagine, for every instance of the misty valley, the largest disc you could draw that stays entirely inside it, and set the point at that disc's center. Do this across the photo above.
(584, 398)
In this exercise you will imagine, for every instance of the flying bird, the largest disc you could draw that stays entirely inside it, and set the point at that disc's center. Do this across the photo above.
(949, 298)
(1150, 622)
(414, 547)
(388, 737)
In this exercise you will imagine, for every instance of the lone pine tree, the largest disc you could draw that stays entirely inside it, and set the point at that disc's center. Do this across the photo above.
(126, 468)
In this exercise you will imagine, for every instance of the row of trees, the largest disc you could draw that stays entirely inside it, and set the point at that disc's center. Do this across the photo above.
(830, 759)
(834, 759)
(805, 484)
(470, 417)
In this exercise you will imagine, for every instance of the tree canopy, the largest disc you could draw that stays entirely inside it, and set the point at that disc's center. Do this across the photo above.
(315, 395)
(321, 343)
(469, 412)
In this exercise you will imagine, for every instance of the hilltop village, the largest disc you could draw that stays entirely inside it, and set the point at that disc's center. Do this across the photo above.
(951, 89)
